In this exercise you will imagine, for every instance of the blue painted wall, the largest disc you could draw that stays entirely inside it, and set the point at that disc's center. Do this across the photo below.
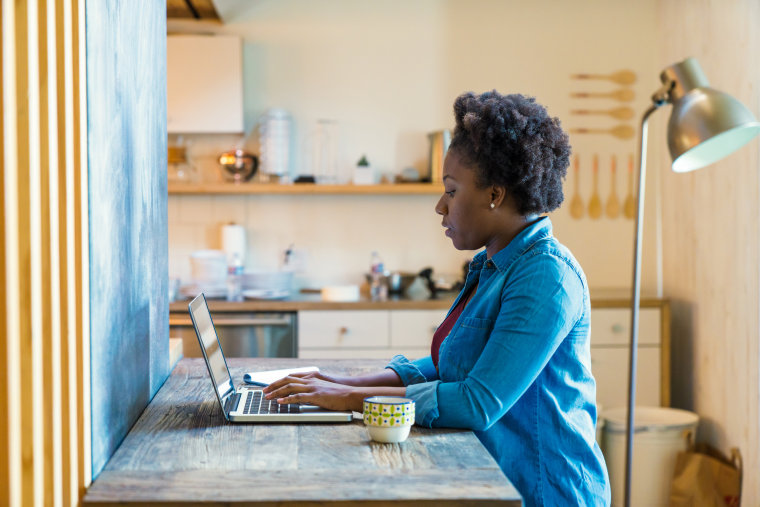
(126, 114)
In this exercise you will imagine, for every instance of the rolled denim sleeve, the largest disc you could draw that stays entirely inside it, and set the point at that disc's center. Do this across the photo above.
(425, 398)
(538, 310)
(421, 380)
(413, 372)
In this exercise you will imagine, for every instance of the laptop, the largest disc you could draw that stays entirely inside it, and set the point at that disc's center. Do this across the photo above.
(247, 403)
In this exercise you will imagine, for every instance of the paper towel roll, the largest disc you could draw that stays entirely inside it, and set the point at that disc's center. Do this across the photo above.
(233, 242)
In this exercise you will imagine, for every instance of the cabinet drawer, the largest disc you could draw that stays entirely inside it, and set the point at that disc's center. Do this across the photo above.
(609, 366)
(414, 328)
(344, 353)
(612, 326)
(348, 328)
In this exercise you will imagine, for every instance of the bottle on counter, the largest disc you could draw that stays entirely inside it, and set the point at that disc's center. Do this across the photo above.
(378, 290)
(235, 279)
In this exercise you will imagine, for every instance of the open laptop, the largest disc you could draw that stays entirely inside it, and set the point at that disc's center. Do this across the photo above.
(247, 404)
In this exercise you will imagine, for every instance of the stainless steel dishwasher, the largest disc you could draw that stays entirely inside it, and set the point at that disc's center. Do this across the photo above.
(242, 334)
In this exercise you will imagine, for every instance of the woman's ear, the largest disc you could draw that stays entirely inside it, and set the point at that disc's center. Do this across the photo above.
(498, 195)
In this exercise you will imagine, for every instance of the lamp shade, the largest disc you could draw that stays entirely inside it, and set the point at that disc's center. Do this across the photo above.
(705, 124)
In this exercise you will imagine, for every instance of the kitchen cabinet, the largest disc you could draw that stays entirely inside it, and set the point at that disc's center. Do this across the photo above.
(381, 334)
(378, 334)
(610, 336)
(343, 329)
(204, 84)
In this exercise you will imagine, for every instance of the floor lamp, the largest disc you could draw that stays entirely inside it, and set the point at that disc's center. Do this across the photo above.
(705, 126)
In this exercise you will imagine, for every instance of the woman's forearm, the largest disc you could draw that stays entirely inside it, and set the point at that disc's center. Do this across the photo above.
(383, 378)
(359, 393)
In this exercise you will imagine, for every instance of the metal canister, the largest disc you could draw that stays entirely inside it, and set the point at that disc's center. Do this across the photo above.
(439, 144)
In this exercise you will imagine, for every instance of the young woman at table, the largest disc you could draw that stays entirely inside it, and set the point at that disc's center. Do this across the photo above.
(511, 361)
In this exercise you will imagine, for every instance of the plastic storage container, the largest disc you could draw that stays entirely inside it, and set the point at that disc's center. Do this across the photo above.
(275, 133)
(659, 434)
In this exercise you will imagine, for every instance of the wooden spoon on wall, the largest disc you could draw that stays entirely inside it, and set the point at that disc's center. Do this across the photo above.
(629, 205)
(619, 113)
(623, 95)
(619, 131)
(612, 210)
(623, 77)
(595, 203)
(576, 203)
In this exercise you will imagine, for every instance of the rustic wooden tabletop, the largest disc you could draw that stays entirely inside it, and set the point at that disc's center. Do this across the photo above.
(182, 451)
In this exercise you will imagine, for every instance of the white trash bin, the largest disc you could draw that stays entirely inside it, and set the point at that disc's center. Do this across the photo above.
(659, 434)
(599, 425)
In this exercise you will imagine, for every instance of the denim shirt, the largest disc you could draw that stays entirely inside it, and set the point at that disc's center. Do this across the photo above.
(516, 369)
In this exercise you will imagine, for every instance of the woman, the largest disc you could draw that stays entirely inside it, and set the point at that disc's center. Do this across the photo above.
(511, 361)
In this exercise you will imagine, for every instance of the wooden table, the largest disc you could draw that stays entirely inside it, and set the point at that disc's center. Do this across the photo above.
(181, 451)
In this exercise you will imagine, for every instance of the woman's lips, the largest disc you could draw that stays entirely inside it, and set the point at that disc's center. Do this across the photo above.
(448, 232)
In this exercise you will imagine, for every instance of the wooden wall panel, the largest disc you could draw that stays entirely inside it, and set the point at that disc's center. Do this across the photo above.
(711, 233)
(45, 323)
(45, 439)
(5, 478)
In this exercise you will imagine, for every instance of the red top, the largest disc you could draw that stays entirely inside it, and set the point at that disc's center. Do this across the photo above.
(445, 328)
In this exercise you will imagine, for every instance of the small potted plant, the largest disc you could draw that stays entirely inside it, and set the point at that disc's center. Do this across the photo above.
(364, 174)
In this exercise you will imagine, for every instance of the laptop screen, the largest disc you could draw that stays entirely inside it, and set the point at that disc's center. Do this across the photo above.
(204, 328)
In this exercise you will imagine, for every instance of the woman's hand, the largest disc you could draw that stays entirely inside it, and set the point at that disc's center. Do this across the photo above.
(316, 389)
(385, 377)
(317, 375)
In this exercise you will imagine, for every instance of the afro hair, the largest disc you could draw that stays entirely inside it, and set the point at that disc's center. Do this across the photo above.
(514, 143)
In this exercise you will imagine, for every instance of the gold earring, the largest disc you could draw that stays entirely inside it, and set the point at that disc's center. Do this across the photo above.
(493, 205)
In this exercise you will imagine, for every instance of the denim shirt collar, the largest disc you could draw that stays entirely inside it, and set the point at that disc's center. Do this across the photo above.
(524, 241)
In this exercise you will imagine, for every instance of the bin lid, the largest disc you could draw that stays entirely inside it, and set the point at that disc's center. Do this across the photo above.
(649, 419)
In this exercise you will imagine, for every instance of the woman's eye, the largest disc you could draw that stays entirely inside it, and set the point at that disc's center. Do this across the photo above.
(450, 193)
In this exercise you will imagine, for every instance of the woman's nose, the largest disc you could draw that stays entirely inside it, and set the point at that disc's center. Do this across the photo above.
(440, 208)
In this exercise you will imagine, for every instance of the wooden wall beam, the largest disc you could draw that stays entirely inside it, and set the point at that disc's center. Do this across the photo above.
(4, 399)
(44, 297)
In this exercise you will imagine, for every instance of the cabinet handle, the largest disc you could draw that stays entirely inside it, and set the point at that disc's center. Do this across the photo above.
(618, 328)
(342, 333)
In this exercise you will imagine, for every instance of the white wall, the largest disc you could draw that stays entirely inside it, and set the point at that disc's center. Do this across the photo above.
(388, 73)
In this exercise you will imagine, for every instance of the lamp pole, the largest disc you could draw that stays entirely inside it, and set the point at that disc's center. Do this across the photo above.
(705, 126)
(635, 298)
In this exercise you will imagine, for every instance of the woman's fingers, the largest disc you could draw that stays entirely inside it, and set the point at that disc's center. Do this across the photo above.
(304, 374)
(288, 389)
(282, 382)
(295, 398)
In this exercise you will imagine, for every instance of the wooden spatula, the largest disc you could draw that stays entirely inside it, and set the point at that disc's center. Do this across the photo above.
(576, 203)
(619, 131)
(623, 95)
(623, 77)
(612, 209)
(595, 203)
(619, 113)
(629, 205)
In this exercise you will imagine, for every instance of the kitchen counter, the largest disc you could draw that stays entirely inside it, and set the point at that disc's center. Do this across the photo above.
(181, 450)
(599, 299)
(300, 302)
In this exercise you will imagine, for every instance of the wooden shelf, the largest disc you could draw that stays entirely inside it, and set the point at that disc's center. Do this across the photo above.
(303, 188)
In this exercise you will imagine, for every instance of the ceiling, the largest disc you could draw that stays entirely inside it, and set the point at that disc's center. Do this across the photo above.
(191, 10)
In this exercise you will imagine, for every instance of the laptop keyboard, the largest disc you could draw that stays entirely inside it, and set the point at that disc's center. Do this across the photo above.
(255, 403)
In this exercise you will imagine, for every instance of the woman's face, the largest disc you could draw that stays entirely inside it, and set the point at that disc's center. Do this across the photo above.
(465, 207)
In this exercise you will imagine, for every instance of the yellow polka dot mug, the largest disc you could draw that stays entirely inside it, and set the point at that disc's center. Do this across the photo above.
(388, 418)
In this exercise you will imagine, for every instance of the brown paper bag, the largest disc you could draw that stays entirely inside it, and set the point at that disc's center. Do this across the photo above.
(703, 477)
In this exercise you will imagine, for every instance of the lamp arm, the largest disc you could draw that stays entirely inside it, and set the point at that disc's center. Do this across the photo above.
(635, 298)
